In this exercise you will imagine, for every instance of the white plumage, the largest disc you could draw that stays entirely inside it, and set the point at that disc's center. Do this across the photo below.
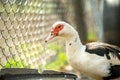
(98, 60)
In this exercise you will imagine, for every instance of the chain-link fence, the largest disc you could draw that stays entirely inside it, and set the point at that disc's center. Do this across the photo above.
(24, 24)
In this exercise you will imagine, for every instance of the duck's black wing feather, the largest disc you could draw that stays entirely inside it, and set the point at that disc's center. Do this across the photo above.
(103, 49)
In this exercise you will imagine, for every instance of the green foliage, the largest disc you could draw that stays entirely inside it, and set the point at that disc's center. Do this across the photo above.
(55, 47)
(91, 36)
(60, 60)
(58, 63)
(14, 64)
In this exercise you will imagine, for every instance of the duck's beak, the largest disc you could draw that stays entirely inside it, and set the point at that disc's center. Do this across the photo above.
(49, 38)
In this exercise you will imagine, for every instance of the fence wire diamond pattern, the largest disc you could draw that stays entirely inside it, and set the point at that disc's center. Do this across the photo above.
(23, 27)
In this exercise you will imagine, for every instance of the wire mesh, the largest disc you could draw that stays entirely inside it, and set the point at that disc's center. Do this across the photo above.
(24, 25)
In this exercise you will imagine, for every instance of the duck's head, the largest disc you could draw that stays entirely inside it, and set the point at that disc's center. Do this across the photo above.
(61, 29)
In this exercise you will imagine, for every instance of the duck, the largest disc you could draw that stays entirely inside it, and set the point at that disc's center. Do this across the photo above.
(98, 60)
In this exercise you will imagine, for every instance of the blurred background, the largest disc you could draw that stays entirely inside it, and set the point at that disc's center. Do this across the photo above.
(24, 25)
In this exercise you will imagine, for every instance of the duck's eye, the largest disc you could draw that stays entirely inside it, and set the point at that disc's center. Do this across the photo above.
(59, 26)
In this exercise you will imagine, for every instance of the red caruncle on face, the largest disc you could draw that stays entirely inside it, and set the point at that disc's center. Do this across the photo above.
(57, 29)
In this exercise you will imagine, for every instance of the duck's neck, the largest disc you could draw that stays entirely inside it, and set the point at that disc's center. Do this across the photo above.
(72, 44)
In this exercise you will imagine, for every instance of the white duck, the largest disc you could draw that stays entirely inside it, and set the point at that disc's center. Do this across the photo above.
(98, 60)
